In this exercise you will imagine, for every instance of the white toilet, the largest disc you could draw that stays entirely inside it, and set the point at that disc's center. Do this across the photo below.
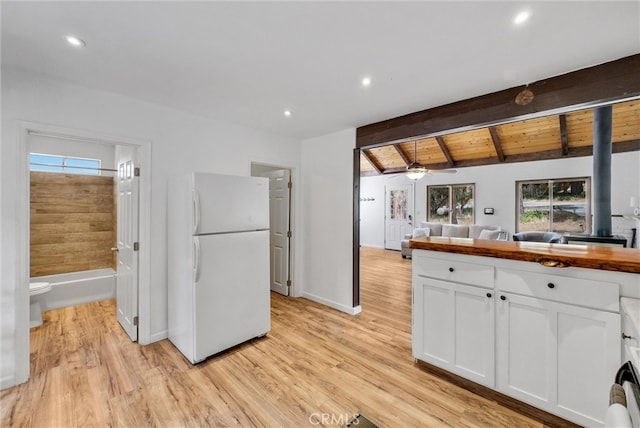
(36, 297)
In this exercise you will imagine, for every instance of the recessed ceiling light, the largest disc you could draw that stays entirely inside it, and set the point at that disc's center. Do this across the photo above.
(366, 81)
(74, 41)
(522, 17)
(287, 113)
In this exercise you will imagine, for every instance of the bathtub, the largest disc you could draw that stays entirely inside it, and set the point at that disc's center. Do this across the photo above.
(77, 288)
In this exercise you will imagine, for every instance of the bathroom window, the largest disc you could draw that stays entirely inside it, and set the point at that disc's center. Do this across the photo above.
(555, 205)
(67, 164)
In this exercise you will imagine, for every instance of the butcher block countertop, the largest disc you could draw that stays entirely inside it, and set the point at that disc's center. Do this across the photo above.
(554, 255)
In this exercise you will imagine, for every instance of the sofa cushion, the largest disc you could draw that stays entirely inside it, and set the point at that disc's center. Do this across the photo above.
(489, 234)
(455, 230)
(421, 232)
(435, 229)
(476, 229)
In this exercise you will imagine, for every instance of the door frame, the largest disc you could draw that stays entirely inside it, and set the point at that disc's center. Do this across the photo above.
(411, 209)
(295, 290)
(22, 360)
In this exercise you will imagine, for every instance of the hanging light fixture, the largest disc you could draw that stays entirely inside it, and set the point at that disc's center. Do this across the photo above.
(525, 96)
(415, 171)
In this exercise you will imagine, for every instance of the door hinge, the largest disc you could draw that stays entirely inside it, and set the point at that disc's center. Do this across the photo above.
(135, 320)
(288, 283)
(136, 171)
(136, 246)
(289, 234)
(290, 185)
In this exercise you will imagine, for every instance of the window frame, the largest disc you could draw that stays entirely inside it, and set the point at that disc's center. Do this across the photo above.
(64, 168)
(550, 182)
(451, 188)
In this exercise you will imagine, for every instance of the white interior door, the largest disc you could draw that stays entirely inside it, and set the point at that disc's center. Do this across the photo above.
(398, 217)
(127, 245)
(280, 228)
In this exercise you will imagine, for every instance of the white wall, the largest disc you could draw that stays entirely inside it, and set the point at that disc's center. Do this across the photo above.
(327, 187)
(495, 188)
(180, 142)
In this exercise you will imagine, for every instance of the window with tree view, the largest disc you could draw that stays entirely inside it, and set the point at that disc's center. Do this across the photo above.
(556, 205)
(451, 204)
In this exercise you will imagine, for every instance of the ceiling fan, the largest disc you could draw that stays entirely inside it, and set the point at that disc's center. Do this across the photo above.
(416, 170)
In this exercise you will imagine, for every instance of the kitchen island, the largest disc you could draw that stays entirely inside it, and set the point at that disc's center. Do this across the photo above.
(535, 322)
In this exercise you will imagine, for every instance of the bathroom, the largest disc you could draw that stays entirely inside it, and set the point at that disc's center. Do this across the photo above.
(73, 223)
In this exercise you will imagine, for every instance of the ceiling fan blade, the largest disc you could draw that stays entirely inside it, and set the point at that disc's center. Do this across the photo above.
(443, 171)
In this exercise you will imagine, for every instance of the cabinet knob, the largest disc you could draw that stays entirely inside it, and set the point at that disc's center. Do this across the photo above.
(551, 285)
(489, 295)
(625, 337)
(503, 297)
(451, 269)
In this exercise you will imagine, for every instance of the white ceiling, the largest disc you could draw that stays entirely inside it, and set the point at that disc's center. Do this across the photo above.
(246, 62)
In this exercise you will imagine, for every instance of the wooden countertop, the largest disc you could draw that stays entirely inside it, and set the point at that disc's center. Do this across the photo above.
(557, 255)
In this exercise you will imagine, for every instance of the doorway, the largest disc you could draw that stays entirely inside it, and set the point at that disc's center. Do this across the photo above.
(280, 225)
(398, 216)
(26, 131)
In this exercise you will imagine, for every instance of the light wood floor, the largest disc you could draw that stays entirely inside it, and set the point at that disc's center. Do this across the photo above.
(316, 362)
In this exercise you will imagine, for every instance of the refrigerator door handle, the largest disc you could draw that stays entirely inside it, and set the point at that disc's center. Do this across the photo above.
(196, 259)
(196, 210)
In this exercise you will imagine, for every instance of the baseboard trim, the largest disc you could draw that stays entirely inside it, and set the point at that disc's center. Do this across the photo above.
(156, 337)
(7, 382)
(335, 305)
(528, 410)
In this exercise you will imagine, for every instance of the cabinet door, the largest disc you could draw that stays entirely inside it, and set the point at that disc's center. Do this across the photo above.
(561, 358)
(454, 328)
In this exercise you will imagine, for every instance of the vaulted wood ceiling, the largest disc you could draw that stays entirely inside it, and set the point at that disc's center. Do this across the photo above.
(550, 137)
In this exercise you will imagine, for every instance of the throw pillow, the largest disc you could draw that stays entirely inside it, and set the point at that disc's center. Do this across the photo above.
(455, 230)
(421, 232)
(489, 234)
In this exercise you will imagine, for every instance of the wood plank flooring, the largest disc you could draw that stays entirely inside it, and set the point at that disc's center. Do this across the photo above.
(316, 367)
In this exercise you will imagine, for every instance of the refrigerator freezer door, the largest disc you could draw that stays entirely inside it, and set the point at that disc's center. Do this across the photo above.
(232, 297)
(227, 203)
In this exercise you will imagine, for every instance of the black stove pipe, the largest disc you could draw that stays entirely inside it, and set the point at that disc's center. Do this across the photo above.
(602, 145)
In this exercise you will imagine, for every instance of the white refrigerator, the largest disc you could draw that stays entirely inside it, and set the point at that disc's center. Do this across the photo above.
(218, 262)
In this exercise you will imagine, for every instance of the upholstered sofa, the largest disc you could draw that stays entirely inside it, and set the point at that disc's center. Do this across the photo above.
(474, 231)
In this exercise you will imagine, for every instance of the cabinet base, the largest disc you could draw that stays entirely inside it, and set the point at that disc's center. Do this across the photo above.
(526, 409)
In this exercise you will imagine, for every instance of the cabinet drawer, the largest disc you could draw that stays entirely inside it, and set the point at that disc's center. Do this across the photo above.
(565, 289)
(454, 270)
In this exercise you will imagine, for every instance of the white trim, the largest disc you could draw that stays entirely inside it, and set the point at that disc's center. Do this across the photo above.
(22, 362)
(374, 246)
(335, 305)
(8, 382)
(296, 227)
(158, 336)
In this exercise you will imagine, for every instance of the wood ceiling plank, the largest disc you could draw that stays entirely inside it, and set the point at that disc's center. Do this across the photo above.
(386, 157)
(401, 153)
(564, 137)
(368, 158)
(470, 144)
(495, 139)
(445, 151)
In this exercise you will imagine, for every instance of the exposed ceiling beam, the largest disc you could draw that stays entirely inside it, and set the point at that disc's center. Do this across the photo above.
(621, 147)
(608, 82)
(404, 157)
(365, 154)
(496, 143)
(445, 152)
(564, 137)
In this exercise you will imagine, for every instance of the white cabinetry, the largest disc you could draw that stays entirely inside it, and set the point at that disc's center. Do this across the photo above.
(558, 357)
(455, 329)
(549, 337)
